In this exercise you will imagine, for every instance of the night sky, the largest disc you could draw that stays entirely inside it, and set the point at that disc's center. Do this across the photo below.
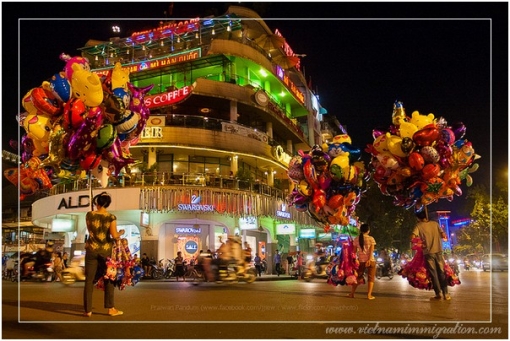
(361, 57)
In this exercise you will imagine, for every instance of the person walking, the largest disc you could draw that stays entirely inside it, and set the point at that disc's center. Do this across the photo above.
(278, 262)
(258, 264)
(431, 234)
(299, 261)
(58, 266)
(100, 225)
(364, 246)
(65, 257)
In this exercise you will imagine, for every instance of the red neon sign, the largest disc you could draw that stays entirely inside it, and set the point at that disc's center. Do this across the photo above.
(168, 98)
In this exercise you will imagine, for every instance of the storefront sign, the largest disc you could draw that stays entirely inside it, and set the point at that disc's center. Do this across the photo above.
(155, 63)
(244, 131)
(307, 233)
(248, 223)
(285, 228)
(190, 207)
(283, 214)
(191, 247)
(81, 201)
(188, 230)
(168, 98)
(152, 133)
(62, 225)
(324, 237)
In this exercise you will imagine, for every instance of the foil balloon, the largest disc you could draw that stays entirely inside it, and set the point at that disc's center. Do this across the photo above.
(60, 87)
(45, 102)
(407, 145)
(420, 121)
(458, 128)
(407, 130)
(416, 161)
(73, 64)
(116, 158)
(119, 77)
(38, 128)
(27, 103)
(84, 138)
(74, 114)
(426, 136)
(56, 150)
(399, 113)
(430, 154)
(101, 173)
(86, 86)
(394, 145)
(137, 105)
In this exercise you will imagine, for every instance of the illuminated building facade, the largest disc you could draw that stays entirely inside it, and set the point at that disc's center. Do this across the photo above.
(229, 108)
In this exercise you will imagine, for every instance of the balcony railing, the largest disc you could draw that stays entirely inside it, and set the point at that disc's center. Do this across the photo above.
(164, 179)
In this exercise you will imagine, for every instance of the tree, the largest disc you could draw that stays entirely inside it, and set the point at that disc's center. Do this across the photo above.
(489, 221)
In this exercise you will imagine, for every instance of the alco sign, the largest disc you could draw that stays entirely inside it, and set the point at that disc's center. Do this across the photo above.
(81, 201)
(285, 228)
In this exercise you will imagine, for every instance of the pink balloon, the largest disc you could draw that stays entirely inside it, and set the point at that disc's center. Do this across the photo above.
(83, 140)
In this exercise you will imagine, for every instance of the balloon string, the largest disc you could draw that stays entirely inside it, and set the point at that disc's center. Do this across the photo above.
(90, 187)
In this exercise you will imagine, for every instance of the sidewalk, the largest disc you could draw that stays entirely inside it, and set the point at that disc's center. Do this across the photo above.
(276, 278)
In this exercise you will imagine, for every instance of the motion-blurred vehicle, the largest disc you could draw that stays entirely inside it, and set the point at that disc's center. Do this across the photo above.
(383, 269)
(75, 270)
(495, 261)
(314, 269)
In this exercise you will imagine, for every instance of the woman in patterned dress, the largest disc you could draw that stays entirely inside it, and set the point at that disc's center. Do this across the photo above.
(102, 228)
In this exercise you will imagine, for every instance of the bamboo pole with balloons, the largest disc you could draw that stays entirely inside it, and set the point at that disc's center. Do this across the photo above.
(77, 125)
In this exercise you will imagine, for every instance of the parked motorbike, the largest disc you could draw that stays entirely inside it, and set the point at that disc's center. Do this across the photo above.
(314, 269)
(75, 271)
(168, 266)
(383, 269)
(154, 272)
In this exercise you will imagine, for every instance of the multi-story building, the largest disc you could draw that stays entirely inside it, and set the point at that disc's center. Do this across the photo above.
(229, 108)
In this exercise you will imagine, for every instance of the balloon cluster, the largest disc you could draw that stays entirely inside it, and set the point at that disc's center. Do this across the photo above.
(417, 273)
(76, 120)
(421, 159)
(328, 181)
(344, 269)
(121, 269)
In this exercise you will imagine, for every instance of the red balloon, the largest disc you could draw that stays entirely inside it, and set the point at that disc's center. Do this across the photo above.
(74, 113)
(426, 136)
(430, 171)
(416, 161)
(90, 161)
(46, 102)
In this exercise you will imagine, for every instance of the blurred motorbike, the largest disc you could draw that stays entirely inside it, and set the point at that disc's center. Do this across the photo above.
(75, 271)
(383, 269)
(314, 269)
(454, 264)
(37, 267)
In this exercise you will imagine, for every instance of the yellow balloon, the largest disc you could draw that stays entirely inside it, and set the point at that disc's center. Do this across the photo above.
(86, 86)
(394, 144)
(420, 121)
(120, 77)
(407, 129)
(380, 144)
(27, 104)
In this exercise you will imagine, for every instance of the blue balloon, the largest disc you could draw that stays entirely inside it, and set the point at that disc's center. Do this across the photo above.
(61, 87)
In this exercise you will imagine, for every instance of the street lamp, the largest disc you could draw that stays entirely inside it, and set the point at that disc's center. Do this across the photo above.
(115, 29)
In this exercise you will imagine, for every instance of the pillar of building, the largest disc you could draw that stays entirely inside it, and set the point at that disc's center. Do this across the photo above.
(311, 130)
(233, 111)
(152, 156)
(269, 129)
(234, 164)
(289, 147)
(270, 177)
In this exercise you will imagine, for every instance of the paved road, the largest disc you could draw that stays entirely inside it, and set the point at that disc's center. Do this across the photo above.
(264, 309)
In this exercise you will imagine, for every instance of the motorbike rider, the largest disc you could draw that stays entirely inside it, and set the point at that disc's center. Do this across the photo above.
(386, 261)
(37, 261)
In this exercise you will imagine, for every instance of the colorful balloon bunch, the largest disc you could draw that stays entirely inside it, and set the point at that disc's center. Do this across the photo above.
(421, 159)
(120, 268)
(75, 120)
(417, 273)
(328, 181)
(344, 269)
